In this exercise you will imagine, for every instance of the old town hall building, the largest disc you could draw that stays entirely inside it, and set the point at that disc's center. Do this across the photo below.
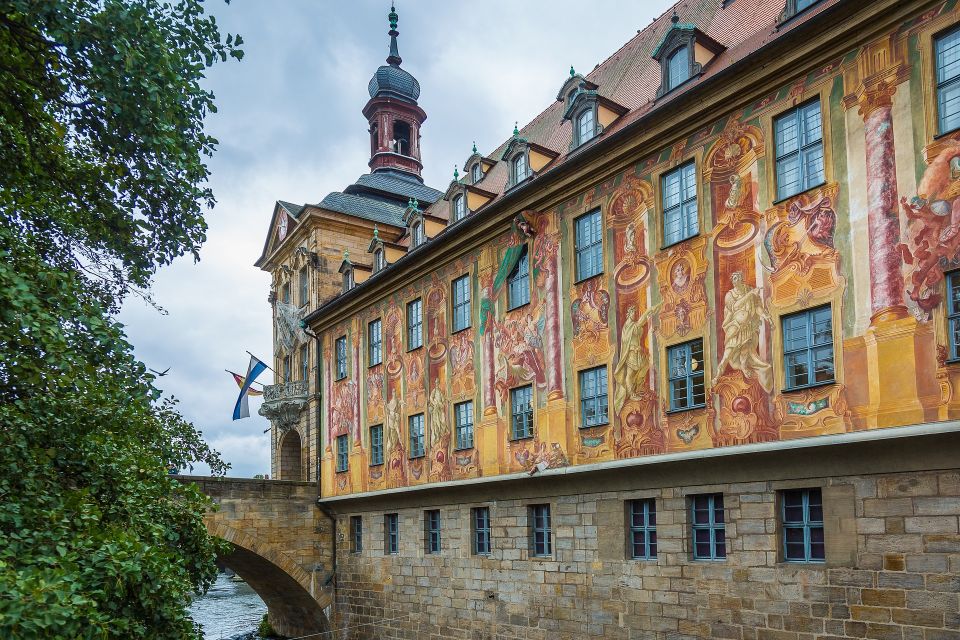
(680, 358)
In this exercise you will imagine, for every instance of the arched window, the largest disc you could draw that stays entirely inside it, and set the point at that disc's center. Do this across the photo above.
(379, 262)
(348, 280)
(417, 234)
(459, 209)
(476, 172)
(401, 137)
(571, 96)
(520, 168)
(678, 68)
(374, 139)
(586, 128)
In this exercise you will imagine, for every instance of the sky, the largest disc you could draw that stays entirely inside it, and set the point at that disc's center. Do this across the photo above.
(290, 128)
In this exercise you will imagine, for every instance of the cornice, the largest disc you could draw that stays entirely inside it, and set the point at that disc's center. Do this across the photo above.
(823, 37)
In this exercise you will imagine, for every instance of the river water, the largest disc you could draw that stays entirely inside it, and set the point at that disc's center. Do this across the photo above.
(229, 611)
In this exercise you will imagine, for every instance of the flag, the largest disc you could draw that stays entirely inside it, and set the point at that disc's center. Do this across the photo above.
(254, 369)
(239, 380)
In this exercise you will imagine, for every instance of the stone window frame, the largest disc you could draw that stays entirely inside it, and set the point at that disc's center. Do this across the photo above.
(544, 528)
(840, 531)
(432, 538)
(475, 168)
(712, 526)
(456, 216)
(356, 534)
(806, 525)
(305, 362)
(523, 154)
(379, 260)
(648, 530)
(304, 285)
(475, 531)
(391, 534)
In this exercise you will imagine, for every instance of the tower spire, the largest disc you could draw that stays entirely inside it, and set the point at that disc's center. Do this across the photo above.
(394, 58)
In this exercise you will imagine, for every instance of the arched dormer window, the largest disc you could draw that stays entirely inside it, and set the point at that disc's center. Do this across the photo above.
(416, 234)
(459, 208)
(379, 260)
(586, 126)
(678, 68)
(520, 168)
(476, 173)
(347, 280)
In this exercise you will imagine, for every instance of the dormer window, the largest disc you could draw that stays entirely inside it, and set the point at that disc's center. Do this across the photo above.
(793, 7)
(520, 168)
(683, 52)
(379, 260)
(678, 68)
(348, 280)
(416, 234)
(459, 208)
(476, 173)
(586, 126)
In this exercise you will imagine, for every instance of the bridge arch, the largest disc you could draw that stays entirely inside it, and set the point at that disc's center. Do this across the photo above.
(285, 587)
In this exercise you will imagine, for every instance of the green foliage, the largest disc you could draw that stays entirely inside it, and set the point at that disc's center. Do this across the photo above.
(265, 629)
(102, 181)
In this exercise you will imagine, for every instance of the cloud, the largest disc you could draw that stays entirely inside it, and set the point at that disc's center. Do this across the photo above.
(290, 128)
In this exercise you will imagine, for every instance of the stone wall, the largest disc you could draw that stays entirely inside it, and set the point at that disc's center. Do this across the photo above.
(892, 569)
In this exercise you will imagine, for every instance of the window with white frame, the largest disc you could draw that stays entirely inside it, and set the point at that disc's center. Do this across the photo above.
(541, 532)
(520, 168)
(417, 446)
(588, 240)
(680, 217)
(802, 525)
(709, 528)
(463, 424)
(798, 136)
(414, 324)
(643, 529)
(586, 126)
(374, 342)
(459, 208)
(521, 412)
(947, 56)
(593, 397)
(678, 67)
(461, 303)
(808, 347)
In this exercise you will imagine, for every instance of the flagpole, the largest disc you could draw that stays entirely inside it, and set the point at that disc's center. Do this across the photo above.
(264, 364)
(243, 377)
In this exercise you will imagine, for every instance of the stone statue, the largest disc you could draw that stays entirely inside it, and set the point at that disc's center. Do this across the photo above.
(289, 334)
(743, 315)
(631, 371)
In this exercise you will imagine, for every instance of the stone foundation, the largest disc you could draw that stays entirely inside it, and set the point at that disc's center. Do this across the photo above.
(892, 569)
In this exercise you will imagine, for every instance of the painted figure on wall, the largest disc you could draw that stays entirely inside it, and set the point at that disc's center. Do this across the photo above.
(630, 374)
(933, 228)
(743, 316)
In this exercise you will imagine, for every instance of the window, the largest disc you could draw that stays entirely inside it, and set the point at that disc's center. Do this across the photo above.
(391, 533)
(947, 55)
(463, 421)
(685, 362)
(431, 530)
(518, 282)
(593, 397)
(678, 68)
(356, 534)
(305, 362)
(799, 149)
(541, 544)
(379, 260)
(376, 445)
(287, 368)
(304, 287)
(375, 342)
(459, 208)
(348, 280)
(521, 412)
(341, 355)
(680, 218)
(586, 126)
(643, 529)
(416, 436)
(343, 453)
(461, 303)
(802, 524)
(476, 173)
(808, 347)
(401, 137)
(285, 292)
(589, 244)
(709, 533)
(416, 233)
(953, 313)
(520, 171)
(414, 324)
(480, 520)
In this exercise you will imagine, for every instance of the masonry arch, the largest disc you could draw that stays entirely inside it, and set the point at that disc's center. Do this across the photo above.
(286, 588)
(291, 456)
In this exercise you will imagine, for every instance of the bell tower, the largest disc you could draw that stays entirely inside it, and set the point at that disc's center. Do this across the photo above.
(393, 114)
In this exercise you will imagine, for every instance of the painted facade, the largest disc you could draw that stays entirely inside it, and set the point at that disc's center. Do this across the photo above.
(871, 241)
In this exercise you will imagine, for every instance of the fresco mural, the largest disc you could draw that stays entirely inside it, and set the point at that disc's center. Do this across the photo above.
(754, 262)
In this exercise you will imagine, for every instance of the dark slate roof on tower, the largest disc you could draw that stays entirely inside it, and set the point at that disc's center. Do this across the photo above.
(390, 80)
(399, 184)
(366, 208)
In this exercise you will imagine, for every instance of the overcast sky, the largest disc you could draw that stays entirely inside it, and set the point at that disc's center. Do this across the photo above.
(290, 128)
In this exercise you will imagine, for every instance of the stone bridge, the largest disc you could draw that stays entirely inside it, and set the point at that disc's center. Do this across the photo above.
(281, 545)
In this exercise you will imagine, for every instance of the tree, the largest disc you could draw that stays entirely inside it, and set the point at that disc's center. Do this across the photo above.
(102, 181)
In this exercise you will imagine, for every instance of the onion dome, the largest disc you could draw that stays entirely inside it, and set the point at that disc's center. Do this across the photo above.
(390, 81)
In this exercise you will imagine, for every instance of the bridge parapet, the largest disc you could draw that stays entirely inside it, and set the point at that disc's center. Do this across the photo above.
(282, 545)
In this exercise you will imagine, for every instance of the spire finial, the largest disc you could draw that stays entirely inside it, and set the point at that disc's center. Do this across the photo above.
(572, 72)
(346, 256)
(416, 204)
(516, 131)
(376, 232)
(456, 174)
(674, 18)
(474, 146)
(394, 57)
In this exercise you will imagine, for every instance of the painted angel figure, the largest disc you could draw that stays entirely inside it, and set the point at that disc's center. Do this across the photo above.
(438, 413)
(743, 315)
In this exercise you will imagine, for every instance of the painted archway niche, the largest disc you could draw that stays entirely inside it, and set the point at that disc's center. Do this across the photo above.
(291, 456)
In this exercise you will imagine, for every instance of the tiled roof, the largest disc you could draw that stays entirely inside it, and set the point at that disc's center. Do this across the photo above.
(630, 76)
(293, 209)
(366, 208)
(398, 184)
